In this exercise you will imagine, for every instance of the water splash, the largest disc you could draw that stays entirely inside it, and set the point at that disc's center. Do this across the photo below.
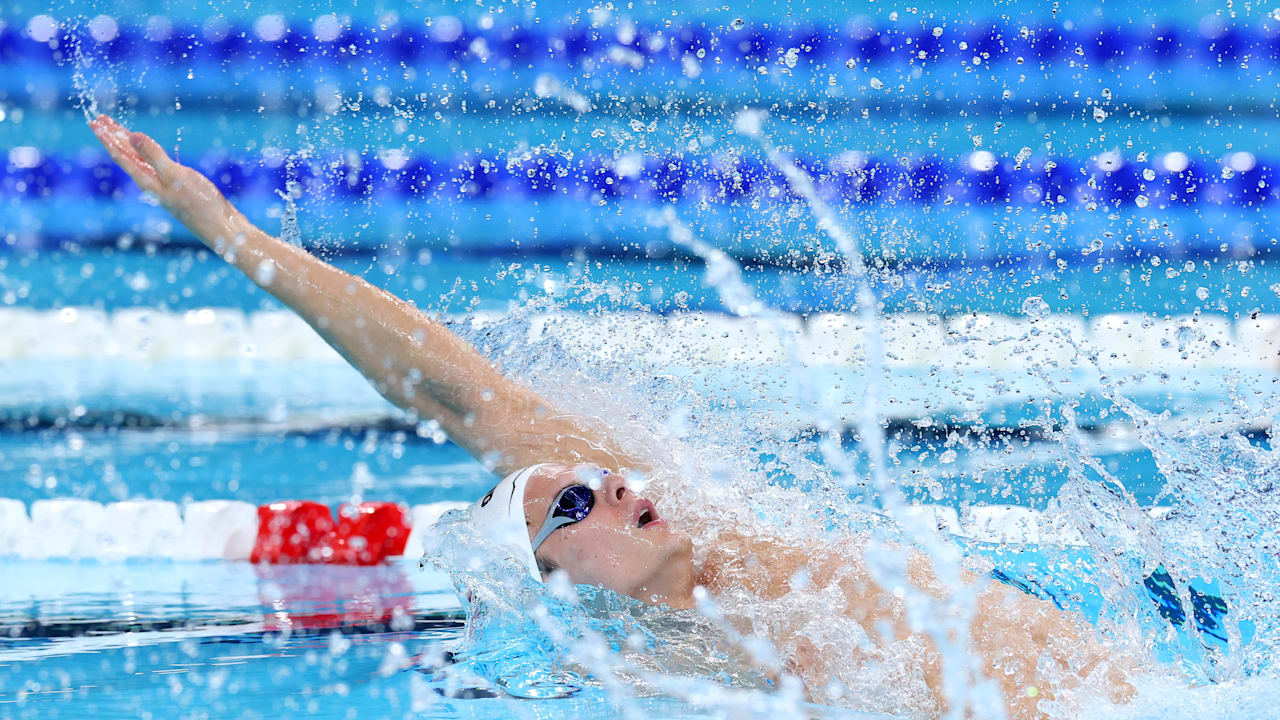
(947, 619)
(539, 641)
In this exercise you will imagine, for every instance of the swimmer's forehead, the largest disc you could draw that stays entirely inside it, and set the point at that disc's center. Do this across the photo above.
(551, 479)
(545, 483)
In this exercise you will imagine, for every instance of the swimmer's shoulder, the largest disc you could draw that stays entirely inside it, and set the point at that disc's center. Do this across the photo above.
(760, 564)
(770, 566)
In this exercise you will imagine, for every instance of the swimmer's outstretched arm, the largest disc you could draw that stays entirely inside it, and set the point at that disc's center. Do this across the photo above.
(412, 360)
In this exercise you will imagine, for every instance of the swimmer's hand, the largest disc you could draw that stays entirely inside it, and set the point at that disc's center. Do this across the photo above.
(189, 196)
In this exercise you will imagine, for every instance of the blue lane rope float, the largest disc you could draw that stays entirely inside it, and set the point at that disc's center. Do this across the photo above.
(1239, 179)
(416, 41)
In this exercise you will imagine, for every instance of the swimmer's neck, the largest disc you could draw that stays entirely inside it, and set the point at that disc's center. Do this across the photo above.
(682, 601)
(676, 590)
(680, 597)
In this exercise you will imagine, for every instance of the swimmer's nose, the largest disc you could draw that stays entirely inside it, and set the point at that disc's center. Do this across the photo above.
(615, 489)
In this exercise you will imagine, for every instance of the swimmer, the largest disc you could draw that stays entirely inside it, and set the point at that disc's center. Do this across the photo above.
(609, 536)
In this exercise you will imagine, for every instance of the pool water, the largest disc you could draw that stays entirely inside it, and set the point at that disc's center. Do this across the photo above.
(169, 639)
(1066, 215)
(191, 640)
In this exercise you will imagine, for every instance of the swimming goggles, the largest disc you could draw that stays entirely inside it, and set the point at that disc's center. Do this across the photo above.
(570, 505)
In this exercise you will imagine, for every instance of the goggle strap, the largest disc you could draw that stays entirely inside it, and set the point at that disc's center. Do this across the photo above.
(551, 525)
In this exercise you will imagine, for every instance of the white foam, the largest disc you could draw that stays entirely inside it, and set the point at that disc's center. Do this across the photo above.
(1003, 524)
(70, 332)
(940, 517)
(17, 328)
(421, 518)
(695, 339)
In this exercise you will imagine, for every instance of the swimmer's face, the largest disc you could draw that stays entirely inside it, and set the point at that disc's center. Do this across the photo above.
(623, 544)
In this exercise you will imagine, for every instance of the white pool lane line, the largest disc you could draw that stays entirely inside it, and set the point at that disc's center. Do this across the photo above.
(208, 529)
(226, 529)
(976, 340)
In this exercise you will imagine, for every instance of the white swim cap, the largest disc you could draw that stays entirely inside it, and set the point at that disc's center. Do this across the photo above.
(499, 516)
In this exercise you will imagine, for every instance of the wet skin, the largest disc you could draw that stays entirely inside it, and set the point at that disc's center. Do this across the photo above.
(624, 543)
(1012, 632)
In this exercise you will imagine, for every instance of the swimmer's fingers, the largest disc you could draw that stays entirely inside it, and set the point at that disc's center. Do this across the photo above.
(155, 155)
(188, 195)
(116, 140)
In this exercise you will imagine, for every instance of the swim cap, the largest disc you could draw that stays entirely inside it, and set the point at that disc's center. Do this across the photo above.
(499, 516)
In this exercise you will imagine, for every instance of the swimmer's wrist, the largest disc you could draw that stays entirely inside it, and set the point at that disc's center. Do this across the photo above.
(228, 233)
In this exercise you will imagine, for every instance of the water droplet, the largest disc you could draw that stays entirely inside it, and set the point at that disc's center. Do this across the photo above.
(877, 84)
(1202, 293)
(1099, 114)
(749, 122)
(1142, 201)
(1035, 308)
(1148, 174)
(265, 273)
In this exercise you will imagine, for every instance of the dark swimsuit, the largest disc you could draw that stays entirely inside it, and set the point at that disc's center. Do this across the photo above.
(1207, 611)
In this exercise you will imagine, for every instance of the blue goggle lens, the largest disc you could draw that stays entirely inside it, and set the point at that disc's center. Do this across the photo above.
(575, 502)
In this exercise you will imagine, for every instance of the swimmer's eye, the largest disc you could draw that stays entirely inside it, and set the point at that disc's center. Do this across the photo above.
(574, 503)
(570, 506)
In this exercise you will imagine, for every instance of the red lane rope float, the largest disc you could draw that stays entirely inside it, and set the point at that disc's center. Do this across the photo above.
(302, 531)
(304, 599)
